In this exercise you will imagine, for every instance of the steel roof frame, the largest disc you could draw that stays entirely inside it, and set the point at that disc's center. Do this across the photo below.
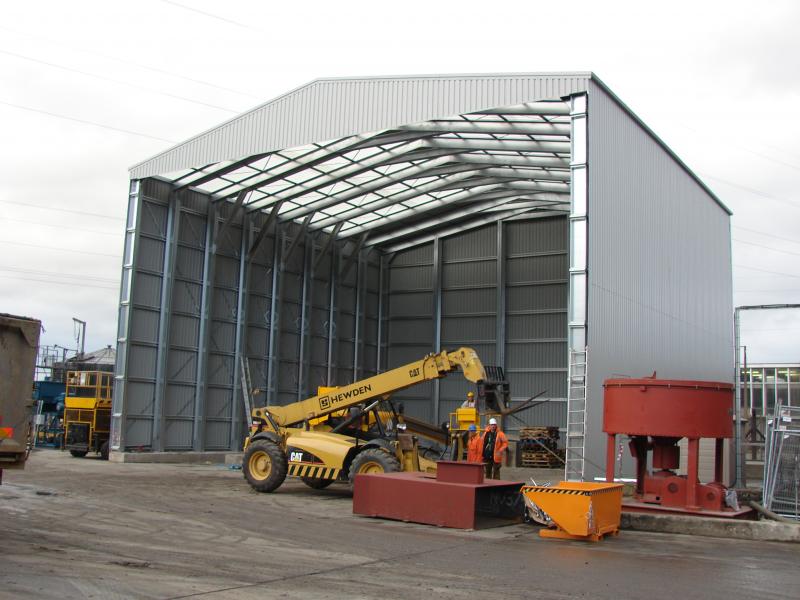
(486, 164)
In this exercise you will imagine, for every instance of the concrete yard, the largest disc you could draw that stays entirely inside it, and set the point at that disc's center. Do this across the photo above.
(84, 528)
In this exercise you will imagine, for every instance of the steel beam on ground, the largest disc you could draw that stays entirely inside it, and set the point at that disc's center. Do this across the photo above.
(167, 283)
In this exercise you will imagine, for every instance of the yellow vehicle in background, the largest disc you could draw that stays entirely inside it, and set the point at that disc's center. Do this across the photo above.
(87, 412)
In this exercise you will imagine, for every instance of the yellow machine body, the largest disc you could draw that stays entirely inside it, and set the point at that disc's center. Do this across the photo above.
(302, 439)
(87, 412)
(578, 510)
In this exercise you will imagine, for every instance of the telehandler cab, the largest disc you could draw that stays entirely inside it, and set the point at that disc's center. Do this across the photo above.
(355, 428)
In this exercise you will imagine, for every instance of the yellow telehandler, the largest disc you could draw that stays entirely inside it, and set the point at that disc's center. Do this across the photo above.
(355, 428)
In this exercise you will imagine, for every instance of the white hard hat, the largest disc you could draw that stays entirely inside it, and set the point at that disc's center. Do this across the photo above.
(492, 421)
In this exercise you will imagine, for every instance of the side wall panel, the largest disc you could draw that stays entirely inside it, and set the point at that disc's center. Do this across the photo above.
(209, 322)
(535, 333)
(659, 260)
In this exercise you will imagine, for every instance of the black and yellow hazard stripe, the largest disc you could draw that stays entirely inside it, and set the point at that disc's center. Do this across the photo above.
(555, 490)
(305, 470)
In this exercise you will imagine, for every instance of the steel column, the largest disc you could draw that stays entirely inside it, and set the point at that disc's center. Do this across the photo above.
(167, 283)
(358, 325)
(304, 358)
(500, 303)
(333, 314)
(274, 318)
(239, 350)
(206, 297)
(437, 318)
(379, 341)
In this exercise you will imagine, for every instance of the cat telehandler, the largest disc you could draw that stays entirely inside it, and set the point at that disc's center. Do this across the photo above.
(356, 428)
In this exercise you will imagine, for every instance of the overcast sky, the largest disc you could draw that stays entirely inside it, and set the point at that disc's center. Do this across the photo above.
(90, 88)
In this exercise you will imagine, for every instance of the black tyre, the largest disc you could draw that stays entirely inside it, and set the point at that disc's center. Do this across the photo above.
(79, 453)
(264, 465)
(373, 460)
(316, 483)
(104, 449)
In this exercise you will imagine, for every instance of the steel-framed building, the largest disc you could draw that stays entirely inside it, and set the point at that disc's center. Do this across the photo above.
(352, 225)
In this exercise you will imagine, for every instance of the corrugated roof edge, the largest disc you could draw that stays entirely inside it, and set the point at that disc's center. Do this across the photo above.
(660, 142)
(587, 74)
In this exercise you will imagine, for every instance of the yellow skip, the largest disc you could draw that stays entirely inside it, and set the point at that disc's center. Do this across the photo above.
(578, 510)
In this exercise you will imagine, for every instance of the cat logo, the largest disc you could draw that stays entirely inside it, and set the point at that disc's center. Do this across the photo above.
(296, 457)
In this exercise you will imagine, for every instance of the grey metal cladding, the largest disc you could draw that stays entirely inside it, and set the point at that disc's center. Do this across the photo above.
(411, 305)
(413, 256)
(537, 235)
(468, 274)
(537, 268)
(179, 400)
(660, 281)
(411, 278)
(189, 263)
(143, 326)
(326, 109)
(150, 255)
(186, 297)
(478, 243)
(153, 219)
(183, 331)
(139, 398)
(538, 297)
(141, 362)
(468, 330)
(535, 327)
(147, 290)
(469, 301)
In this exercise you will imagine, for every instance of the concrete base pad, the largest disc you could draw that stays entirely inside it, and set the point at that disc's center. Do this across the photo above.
(765, 531)
(222, 457)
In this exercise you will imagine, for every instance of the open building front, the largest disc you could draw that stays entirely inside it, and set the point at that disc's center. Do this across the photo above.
(354, 225)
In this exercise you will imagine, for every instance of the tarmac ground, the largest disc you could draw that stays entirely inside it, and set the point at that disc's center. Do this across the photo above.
(86, 528)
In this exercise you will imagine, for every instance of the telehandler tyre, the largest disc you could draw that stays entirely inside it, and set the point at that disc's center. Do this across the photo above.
(316, 483)
(79, 453)
(264, 465)
(373, 460)
(104, 449)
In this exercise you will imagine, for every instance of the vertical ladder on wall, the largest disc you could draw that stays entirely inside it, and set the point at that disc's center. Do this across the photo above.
(247, 388)
(576, 416)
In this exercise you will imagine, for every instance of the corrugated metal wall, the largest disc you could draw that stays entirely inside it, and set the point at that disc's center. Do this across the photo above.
(333, 108)
(527, 335)
(178, 377)
(659, 296)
